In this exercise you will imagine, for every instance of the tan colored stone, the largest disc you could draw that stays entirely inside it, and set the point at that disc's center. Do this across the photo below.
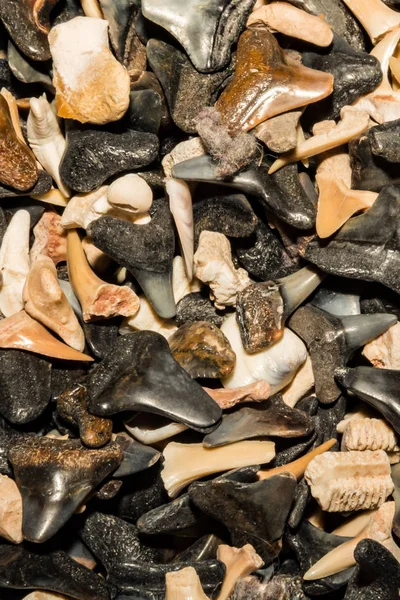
(10, 510)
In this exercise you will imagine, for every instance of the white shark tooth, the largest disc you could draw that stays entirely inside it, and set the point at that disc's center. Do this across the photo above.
(239, 562)
(180, 283)
(147, 318)
(302, 383)
(14, 263)
(46, 139)
(183, 585)
(180, 204)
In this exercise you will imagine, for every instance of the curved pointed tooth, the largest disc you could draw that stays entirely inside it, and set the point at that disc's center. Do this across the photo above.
(158, 290)
(297, 287)
(52, 197)
(97, 298)
(180, 204)
(361, 329)
(376, 18)
(92, 9)
(14, 263)
(22, 332)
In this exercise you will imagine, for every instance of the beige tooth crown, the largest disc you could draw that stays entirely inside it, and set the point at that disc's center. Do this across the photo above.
(369, 434)
(345, 481)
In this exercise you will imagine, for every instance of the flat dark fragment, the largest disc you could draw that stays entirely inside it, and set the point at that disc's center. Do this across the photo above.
(384, 141)
(141, 493)
(42, 186)
(196, 307)
(17, 16)
(100, 336)
(93, 155)
(56, 572)
(370, 172)
(137, 457)
(177, 515)
(145, 111)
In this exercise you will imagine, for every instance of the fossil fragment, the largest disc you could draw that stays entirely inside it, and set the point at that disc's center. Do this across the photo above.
(180, 205)
(82, 209)
(279, 133)
(351, 480)
(184, 585)
(301, 383)
(50, 238)
(239, 562)
(369, 434)
(229, 397)
(147, 318)
(14, 263)
(383, 351)
(376, 18)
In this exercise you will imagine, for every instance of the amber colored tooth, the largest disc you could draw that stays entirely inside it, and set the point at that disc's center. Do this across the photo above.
(352, 124)
(376, 18)
(298, 467)
(97, 298)
(183, 585)
(14, 114)
(337, 203)
(46, 302)
(239, 562)
(379, 528)
(354, 525)
(22, 332)
(336, 163)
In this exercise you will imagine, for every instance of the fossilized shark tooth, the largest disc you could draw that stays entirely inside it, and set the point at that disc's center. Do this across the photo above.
(14, 263)
(181, 284)
(180, 204)
(354, 525)
(46, 139)
(86, 73)
(92, 9)
(229, 397)
(345, 481)
(298, 467)
(239, 562)
(184, 585)
(46, 302)
(24, 71)
(97, 298)
(10, 510)
(376, 18)
(137, 457)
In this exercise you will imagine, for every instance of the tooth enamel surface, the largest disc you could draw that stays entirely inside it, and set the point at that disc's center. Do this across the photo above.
(369, 434)
(239, 562)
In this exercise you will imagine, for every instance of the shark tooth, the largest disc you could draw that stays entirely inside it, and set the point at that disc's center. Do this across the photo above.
(262, 308)
(184, 463)
(354, 525)
(369, 434)
(382, 139)
(50, 238)
(334, 337)
(83, 81)
(239, 562)
(22, 332)
(262, 69)
(346, 481)
(19, 20)
(180, 205)
(184, 585)
(229, 397)
(119, 20)
(10, 511)
(14, 263)
(24, 71)
(206, 31)
(269, 418)
(181, 284)
(46, 302)
(137, 457)
(54, 478)
(370, 172)
(175, 517)
(354, 121)
(376, 18)
(46, 140)
(100, 335)
(133, 246)
(82, 209)
(97, 298)
(48, 195)
(114, 386)
(150, 429)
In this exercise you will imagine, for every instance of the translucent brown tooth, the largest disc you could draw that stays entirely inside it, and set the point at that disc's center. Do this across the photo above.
(384, 351)
(52, 197)
(376, 18)
(282, 17)
(352, 124)
(345, 481)
(340, 558)
(97, 298)
(183, 585)
(302, 383)
(46, 302)
(239, 562)
(184, 463)
(10, 510)
(337, 203)
(298, 467)
(50, 238)
(229, 397)
(22, 332)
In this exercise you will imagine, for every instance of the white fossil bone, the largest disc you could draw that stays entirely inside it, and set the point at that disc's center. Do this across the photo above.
(213, 265)
(46, 139)
(345, 481)
(182, 151)
(278, 364)
(184, 463)
(180, 204)
(384, 351)
(239, 562)
(150, 429)
(180, 283)
(14, 263)
(229, 397)
(10, 510)
(147, 318)
(183, 585)
(376, 18)
(301, 383)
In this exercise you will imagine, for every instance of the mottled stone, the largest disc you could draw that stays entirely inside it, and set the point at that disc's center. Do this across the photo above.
(18, 18)
(42, 186)
(196, 307)
(94, 155)
(202, 350)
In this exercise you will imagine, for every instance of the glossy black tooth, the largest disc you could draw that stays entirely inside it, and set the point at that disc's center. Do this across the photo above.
(175, 517)
(206, 30)
(383, 140)
(131, 576)
(113, 540)
(254, 181)
(54, 477)
(395, 474)
(140, 373)
(361, 329)
(100, 336)
(137, 456)
(379, 387)
(187, 91)
(24, 71)
(310, 543)
(270, 418)
(93, 155)
(204, 548)
(145, 111)
(141, 493)
(56, 572)
(24, 385)
(254, 513)
(368, 171)
(18, 19)
(297, 202)
(42, 186)
(338, 303)
(377, 573)
(145, 250)
(119, 15)
(197, 307)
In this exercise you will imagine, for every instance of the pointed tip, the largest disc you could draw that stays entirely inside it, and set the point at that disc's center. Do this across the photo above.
(199, 168)
(361, 329)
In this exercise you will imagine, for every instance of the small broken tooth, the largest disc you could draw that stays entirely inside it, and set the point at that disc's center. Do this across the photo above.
(376, 18)
(184, 585)
(50, 238)
(239, 562)
(130, 193)
(14, 263)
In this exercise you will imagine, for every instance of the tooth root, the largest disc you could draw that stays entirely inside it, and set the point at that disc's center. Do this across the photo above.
(297, 287)
(298, 467)
(184, 585)
(157, 288)
(383, 51)
(361, 329)
(97, 298)
(376, 18)
(239, 562)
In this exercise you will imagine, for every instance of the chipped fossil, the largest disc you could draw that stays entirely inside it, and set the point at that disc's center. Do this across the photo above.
(183, 585)
(213, 265)
(180, 205)
(50, 238)
(229, 397)
(384, 351)
(302, 383)
(345, 481)
(14, 263)
(239, 562)
(369, 434)
(376, 18)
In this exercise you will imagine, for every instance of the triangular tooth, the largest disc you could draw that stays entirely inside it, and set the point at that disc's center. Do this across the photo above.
(158, 290)
(361, 329)
(297, 287)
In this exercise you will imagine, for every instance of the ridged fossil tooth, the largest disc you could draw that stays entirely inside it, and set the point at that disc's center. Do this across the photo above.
(354, 121)
(301, 383)
(284, 18)
(239, 562)
(46, 302)
(46, 139)
(379, 529)
(184, 585)
(184, 463)
(229, 397)
(130, 193)
(376, 18)
(277, 365)
(10, 510)
(213, 265)
(369, 434)
(50, 238)
(298, 467)
(345, 481)
(180, 205)
(14, 263)
(22, 332)
(91, 85)
(337, 203)
(384, 351)
(97, 298)
(262, 308)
